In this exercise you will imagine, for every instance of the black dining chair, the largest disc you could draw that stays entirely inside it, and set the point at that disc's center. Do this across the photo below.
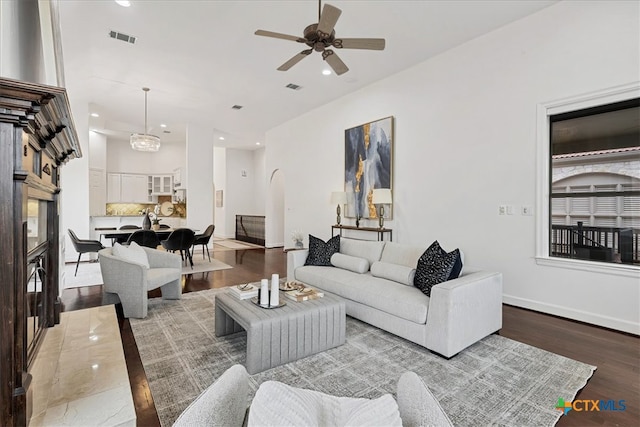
(123, 239)
(203, 239)
(83, 246)
(181, 240)
(147, 238)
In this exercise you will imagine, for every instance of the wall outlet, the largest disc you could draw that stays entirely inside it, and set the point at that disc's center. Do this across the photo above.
(502, 210)
(509, 210)
(527, 210)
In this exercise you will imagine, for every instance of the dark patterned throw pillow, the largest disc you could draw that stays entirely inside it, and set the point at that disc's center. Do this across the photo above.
(436, 266)
(320, 252)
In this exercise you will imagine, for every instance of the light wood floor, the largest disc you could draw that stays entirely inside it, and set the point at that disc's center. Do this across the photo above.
(616, 354)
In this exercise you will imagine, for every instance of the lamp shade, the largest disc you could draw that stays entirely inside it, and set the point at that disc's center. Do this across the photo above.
(381, 196)
(338, 197)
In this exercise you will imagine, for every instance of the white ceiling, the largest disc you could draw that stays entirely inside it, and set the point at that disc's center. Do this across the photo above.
(199, 58)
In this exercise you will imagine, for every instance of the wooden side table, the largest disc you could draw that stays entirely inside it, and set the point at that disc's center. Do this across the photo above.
(380, 232)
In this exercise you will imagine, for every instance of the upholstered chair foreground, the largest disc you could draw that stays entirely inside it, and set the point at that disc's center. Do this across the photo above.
(224, 403)
(129, 272)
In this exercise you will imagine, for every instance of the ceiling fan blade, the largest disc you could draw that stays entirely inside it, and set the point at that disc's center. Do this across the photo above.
(372, 44)
(335, 62)
(293, 61)
(280, 36)
(328, 19)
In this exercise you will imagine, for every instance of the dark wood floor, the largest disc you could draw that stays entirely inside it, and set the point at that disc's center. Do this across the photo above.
(617, 355)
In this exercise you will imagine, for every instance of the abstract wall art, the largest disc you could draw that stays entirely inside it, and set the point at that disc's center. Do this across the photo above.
(368, 152)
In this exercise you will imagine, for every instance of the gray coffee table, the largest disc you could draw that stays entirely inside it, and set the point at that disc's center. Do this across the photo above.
(282, 335)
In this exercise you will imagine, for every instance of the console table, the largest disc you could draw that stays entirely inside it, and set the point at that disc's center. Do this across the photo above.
(380, 232)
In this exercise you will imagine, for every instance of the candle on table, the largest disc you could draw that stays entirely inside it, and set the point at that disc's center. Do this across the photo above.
(264, 292)
(275, 291)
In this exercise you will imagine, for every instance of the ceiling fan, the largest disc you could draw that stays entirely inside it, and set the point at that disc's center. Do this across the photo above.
(321, 36)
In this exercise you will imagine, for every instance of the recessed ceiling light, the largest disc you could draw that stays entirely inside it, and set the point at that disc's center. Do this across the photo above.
(163, 125)
(95, 115)
(124, 3)
(257, 143)
(326, 72)
(221, 138)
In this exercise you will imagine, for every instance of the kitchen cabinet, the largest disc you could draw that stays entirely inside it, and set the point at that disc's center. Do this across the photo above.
(97, 192)
(134, 188)
(127, 188)
(161, 185)
(113, 188)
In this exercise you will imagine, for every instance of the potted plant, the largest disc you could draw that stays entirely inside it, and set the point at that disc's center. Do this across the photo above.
(155, 223)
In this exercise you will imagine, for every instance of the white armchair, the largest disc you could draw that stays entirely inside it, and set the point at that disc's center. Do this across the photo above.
(224, 403)
(128, 281)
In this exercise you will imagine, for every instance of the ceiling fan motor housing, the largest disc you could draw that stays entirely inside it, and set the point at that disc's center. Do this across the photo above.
(315, 40)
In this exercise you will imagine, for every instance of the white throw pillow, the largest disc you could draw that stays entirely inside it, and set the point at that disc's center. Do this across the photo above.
(278, 404)
(395, 272)
(351, 263)
(133, 253)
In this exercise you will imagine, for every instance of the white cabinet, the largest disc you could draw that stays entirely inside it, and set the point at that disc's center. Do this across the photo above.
(133, 188)
(113, 188)
(97, 192)
(127, 188)
(162, 185)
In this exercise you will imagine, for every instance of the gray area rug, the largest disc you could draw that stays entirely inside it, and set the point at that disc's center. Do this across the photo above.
(497, 381)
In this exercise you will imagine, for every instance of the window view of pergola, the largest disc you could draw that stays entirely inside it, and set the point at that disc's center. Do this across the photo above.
(595, 184)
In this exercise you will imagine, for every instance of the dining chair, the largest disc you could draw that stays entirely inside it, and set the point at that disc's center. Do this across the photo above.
(203, 239)
(147, 238)
(123, 239)
(83, 246)
(181, 240)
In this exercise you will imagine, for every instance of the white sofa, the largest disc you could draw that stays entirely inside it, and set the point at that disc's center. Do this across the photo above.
(458, 313)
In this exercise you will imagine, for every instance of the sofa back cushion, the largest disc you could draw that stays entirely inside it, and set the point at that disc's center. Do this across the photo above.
(367, 249)
(351, 263)
(132, 253)
(396, 272)
(396, 253)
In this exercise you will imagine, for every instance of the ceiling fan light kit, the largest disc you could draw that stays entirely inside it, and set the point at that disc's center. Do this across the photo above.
(321, 36)
(145, 141)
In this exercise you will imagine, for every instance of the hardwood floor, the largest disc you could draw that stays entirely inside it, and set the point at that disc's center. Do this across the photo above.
(616, 354)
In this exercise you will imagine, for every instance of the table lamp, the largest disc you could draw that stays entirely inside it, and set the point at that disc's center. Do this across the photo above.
(381, 197)
(338, 198)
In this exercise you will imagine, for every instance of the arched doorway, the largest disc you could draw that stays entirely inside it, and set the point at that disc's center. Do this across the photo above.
(274, 226)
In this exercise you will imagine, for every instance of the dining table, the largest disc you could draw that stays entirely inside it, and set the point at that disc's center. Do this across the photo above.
(162, 233)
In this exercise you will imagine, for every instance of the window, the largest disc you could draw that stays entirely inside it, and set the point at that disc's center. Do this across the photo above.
(594, 183)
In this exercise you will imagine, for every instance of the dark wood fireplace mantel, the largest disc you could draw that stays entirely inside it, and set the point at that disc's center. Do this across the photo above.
(37, 136)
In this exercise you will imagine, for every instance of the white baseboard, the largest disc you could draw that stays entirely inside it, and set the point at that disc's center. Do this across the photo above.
(570, 313)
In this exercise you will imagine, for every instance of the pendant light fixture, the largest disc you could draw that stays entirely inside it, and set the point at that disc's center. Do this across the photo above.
(144, 141)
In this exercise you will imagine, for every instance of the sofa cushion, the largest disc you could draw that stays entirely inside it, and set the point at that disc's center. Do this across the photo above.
(395, 272)
(370, 250)
(320, 252)
(405, 302)
(351, 263)
(132, 253)
(434, 266)
(398, 253)
(157, 277)
(301, 407)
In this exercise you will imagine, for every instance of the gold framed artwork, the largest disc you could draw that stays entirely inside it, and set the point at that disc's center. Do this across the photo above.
(368, 165)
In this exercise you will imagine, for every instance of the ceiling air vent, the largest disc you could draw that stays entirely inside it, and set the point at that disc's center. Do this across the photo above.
(121, 36)
(236, 107)
(294, 87)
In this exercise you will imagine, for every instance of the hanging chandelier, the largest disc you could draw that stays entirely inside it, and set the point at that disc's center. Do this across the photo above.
(144, 141)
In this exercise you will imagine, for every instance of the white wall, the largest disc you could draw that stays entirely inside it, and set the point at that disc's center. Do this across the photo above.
(122, 158)
(239, 189)
(199, 170)
(98, 149)
(219, 180)
(465, 142)
(260, 180)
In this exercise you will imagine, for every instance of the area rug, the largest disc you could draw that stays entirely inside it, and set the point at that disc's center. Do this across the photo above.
(89, 272)
(496, 381)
